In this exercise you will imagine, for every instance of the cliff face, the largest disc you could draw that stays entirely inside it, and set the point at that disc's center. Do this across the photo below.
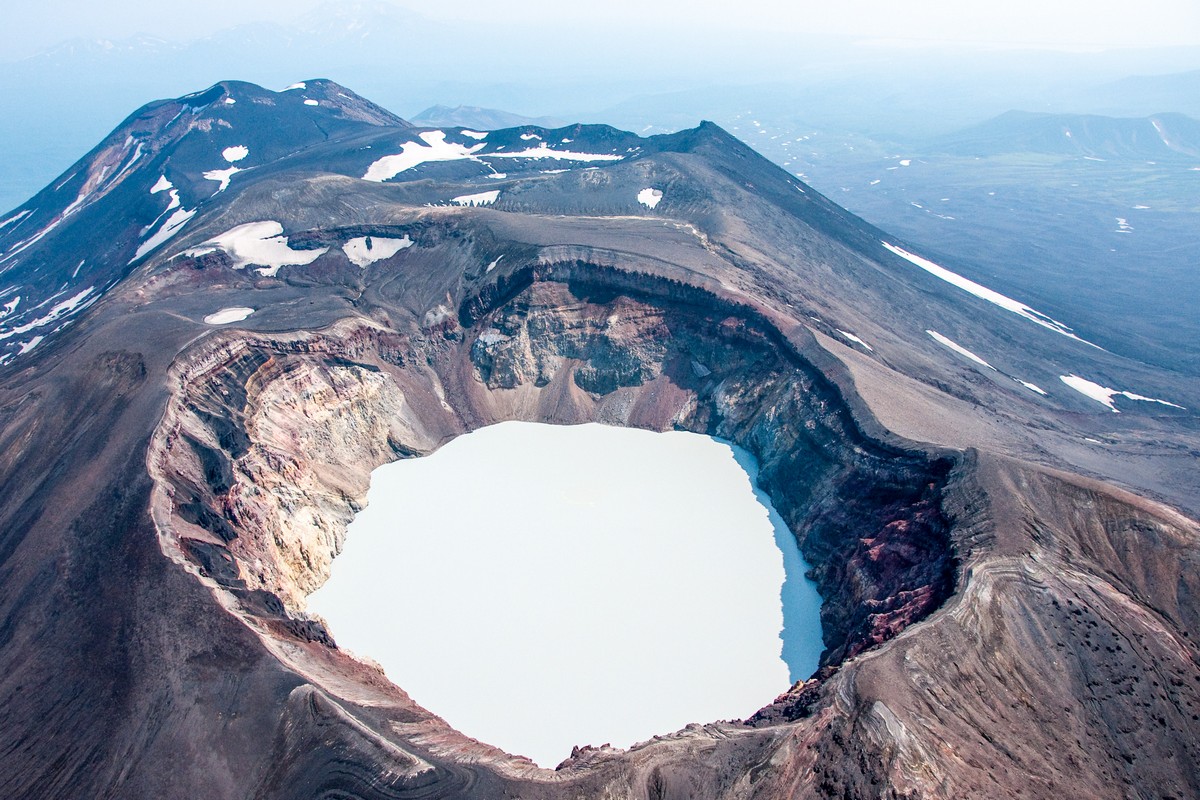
(995, 623)
(266, 450)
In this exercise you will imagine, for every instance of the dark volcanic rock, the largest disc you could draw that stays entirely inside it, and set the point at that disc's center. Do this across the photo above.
(996, 623)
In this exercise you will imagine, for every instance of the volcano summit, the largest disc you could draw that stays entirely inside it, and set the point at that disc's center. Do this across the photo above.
(219, 321)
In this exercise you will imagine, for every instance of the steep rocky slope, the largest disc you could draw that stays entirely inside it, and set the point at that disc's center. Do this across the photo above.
(996, 623)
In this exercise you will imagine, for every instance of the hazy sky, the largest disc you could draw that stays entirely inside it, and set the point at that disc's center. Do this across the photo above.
(31, 27)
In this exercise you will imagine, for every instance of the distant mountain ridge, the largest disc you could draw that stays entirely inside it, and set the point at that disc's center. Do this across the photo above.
(488, 119)
(1161, 136)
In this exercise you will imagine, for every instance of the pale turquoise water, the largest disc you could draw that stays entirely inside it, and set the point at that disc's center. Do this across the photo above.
(543, 586)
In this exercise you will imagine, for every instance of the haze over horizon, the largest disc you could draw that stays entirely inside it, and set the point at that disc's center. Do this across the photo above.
(1071, 26)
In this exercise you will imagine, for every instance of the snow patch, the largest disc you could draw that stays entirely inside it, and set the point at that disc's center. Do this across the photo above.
(852, 338)
(530, 136)
(222, 177)
(235, 153)
(1033, 387)
(15, 218)
(1105, 395)
(476, 135)
(172, 226)
(649, 197)
(492, 265)
(499, 176)
(227, 315)
(366, 250)
(66, 308)
(480, 199)
(906, 162)
(162, 185)
(984, 293)
(543, 151)
(962, 351)
(302, 85)
(311, 102)
(260, 244)
(32, 343)
(229, 101)
(413, 154)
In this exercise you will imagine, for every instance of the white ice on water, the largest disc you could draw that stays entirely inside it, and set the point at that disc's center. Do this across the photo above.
(634, 573)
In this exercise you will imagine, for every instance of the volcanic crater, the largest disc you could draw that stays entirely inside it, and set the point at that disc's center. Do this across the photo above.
(999, 617)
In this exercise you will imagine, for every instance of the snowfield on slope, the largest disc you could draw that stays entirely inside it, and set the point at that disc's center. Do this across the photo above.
(436, 148)
(958, 348)
(480, 199)
(1104, 395)
(649, 197)
(258, 244)
(366, 250)
(984, 293)
(227, 315)
(413, 154)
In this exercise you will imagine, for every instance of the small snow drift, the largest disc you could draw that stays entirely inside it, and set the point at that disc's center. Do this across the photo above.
(65, 308)
(260, 244)
(227, 315)
(221, 176)
(235, 153)
(649, 197)
(984, 293)
(852, 338)
(172, 226)
(480, 199)
(366, 250)
(962, 351)
(1105, 395)
(543, 151)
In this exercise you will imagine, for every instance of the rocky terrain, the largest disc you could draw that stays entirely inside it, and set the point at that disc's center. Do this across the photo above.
(1007, 566)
